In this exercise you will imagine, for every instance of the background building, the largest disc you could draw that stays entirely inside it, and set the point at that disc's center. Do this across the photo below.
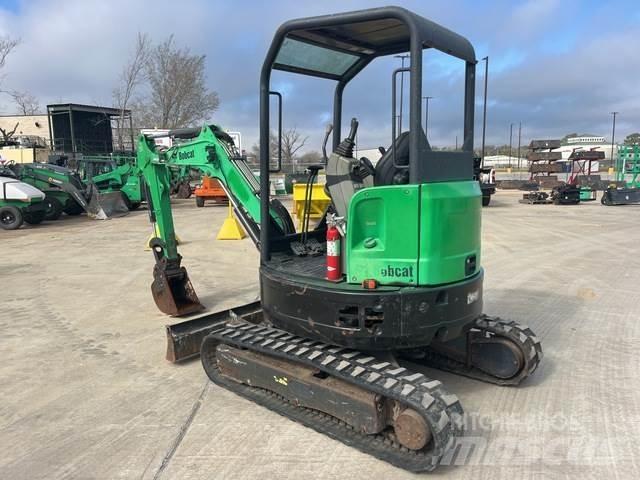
(27, 125)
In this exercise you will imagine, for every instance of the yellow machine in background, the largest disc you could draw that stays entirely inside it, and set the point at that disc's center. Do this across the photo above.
(319, 202)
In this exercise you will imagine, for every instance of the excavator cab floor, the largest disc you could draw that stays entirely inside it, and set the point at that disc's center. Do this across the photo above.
(306, 266)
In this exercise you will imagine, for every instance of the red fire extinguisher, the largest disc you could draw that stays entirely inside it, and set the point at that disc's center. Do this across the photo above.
(334, 268)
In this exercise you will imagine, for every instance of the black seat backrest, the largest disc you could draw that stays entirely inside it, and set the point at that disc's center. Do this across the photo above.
(386, 172)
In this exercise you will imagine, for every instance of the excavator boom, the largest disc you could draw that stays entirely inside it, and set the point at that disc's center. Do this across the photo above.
(211, 151)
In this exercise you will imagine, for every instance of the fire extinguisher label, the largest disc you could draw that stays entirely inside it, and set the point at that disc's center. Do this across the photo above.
(333, 248)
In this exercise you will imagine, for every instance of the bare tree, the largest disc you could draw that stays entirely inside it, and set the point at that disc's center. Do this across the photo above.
(27, 103)
(132, 75)
(292, 141)
(178, 96)
(273, 148)
(7, 134)
(7, 44)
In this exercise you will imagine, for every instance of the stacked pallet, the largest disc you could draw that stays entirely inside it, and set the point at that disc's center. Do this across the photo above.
(542, 164)
(583, 172)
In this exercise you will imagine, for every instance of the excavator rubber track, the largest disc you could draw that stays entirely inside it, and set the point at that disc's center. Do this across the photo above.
(521, 337)
(441, 410)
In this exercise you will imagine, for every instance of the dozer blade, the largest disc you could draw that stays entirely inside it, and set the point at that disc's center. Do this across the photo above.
(103, 206)
(184, 338)
(173, 293)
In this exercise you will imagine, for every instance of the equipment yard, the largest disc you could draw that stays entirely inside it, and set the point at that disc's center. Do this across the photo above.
(86, 392)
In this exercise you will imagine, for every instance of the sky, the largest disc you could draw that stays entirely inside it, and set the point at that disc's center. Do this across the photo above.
(555, 66)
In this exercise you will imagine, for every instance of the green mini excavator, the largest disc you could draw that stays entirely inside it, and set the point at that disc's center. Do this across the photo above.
(345, 356)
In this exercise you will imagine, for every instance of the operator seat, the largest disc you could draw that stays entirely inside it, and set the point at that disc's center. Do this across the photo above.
(386, 172)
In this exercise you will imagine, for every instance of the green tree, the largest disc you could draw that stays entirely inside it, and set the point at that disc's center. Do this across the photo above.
(632, 139)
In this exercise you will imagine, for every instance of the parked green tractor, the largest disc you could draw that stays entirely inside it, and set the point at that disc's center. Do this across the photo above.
(66, 192)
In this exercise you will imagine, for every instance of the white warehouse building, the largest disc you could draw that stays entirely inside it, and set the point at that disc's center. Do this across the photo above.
(587, 143)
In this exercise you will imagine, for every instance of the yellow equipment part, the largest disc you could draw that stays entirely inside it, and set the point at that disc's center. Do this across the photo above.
(231, 228)
(319, 202)
(156, 233)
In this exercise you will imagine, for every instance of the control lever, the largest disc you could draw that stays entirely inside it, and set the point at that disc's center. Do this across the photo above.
(345, 149)
(327, 132)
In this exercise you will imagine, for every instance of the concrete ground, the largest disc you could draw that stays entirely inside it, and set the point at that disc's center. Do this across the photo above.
(86, 392)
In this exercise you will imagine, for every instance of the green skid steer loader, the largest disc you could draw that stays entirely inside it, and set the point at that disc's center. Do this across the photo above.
(112, 174)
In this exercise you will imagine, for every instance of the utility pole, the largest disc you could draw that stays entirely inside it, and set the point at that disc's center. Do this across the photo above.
(426, 117)
(510, 142)
(484, 112)
(519, 140)
(402, 57)
(613, 136)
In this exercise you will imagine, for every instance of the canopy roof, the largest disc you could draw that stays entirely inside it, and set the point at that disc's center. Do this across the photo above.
(339, 46)
(77, 107)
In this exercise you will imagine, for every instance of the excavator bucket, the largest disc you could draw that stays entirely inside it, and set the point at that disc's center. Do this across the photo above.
(173, 293)
(103, 206)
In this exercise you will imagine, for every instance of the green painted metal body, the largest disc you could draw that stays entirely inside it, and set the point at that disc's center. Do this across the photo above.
(113, 173)
(211, 156)
(42, 177)
(628, 165)
(387, 244)
(402, 235)
(20, 204)
(125, 178)
(32, 210)
(154, 169)
(49, 180)
(587, 194)
(63, 197)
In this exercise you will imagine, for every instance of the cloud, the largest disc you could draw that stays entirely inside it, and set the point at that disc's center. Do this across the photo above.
(529, 17)
(556, 66)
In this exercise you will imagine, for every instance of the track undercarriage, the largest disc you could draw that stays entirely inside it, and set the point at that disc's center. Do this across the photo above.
(378, 402)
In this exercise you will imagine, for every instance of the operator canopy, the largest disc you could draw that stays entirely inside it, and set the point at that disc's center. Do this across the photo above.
(345, 43)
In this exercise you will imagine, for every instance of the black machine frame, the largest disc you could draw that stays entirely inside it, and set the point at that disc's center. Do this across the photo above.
(368, 34)
(385, 318)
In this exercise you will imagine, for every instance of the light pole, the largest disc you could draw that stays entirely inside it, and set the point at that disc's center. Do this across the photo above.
(519, 140)
(613, 136)
(484, 109)
(426, 117)
(510, 142)
(401, 57)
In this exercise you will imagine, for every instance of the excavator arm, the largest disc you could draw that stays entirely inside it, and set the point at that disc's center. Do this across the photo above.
(171, 288)
(211, 151)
